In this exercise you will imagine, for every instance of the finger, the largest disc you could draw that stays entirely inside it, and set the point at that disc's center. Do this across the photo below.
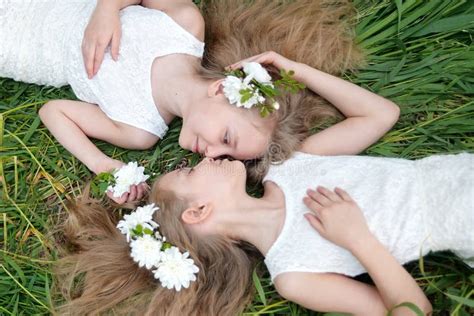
(88, 53)
(329, 194)
(315, 222)
(313, 205)
(132, 194)
(318, 197)
(99, 57)
(122, 199)
(110, 195)
(118, 200)
(343, 194)
(240, 64)
(140, 191)
(115, 45)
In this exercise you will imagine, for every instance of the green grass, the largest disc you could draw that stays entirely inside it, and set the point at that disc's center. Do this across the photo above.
(420, 55)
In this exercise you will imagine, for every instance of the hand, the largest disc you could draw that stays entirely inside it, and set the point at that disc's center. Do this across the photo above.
(104, 28)
(336, 217)
(268, 58)
(137, 192)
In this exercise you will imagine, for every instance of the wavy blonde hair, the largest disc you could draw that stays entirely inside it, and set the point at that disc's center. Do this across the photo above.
(96, 274)
(319, 33)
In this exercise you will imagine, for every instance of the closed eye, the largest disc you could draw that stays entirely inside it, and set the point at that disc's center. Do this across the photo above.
(226, 138)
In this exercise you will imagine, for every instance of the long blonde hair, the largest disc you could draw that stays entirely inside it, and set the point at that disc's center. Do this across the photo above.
(96, 274)
(319, 33)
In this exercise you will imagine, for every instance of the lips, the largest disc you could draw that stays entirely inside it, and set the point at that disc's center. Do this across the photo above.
(196, 146)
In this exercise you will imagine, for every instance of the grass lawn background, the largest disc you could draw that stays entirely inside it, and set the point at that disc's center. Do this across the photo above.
(420, 55)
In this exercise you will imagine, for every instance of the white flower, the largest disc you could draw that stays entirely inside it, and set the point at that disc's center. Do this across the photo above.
(146, 251)
(126, 176)
(175, 270)
(143, 216)
(255, 99)
(276, 105)
(232, 86)
(256, 71)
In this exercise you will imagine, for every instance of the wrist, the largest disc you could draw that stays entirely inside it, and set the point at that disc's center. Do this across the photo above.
(362, 244)
(105, 164)
(305, 74)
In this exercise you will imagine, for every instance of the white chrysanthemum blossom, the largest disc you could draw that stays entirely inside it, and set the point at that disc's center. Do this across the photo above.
(232, 86)
(143, 216)
(175, 269)
(276, 105)
(128, 175)
(146, 251)
(255, 71)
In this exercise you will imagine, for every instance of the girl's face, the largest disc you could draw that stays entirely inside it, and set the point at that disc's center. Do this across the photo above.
(218, 129)
(211, 181)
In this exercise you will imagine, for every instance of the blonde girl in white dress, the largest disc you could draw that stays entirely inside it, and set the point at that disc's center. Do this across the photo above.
(157, 75)
(314, 236)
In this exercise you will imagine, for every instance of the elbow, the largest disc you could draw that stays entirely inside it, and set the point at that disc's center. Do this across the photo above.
(389, 115)
(47, 110)
(426, 307)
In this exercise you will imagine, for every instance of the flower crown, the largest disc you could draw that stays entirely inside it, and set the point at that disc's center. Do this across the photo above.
(150, 249)
(254, 87)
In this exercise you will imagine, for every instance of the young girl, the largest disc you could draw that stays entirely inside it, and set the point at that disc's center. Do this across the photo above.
(313, 241)
(158, 75)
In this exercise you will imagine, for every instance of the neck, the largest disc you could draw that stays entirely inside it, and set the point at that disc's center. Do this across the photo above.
(257, 221)
(183, 84)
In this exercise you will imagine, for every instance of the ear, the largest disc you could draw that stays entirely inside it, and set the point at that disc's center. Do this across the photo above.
(196, 214)
(215, 88)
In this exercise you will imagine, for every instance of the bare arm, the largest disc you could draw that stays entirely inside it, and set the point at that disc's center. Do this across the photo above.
(368, 115)
(71, 122)
(184, 12)
(338, 218)
(104, 27)
(329, 292)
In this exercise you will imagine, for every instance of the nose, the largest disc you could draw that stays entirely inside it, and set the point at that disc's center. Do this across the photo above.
(214, 152)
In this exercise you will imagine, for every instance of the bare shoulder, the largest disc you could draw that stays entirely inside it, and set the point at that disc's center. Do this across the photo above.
(188, 15)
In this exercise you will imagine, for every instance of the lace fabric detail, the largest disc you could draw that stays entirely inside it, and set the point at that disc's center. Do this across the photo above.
(393, 195)
(45, 48)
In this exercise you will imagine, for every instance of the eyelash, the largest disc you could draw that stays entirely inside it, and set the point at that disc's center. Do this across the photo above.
(191, 170)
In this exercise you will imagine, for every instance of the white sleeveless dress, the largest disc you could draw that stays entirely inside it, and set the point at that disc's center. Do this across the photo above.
(412, 207)
(40, 42)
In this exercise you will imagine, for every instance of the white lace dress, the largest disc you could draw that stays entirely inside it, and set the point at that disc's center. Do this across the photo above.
(412, 207)
(40, 42)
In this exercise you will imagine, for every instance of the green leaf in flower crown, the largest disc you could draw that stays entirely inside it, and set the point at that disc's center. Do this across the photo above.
(166, 245)
(148, 231)
(138, 230)
(264, 111)
(246, 95)
(288, 83)
(267, 90)
(236, 73)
